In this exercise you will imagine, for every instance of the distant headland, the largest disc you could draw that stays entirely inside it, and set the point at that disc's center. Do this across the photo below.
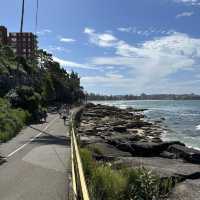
(97, 97)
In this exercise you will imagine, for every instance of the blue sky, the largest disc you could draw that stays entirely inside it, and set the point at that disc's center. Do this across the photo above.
(119, 46)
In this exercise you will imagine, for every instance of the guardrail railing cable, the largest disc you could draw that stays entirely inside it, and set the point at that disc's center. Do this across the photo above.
(79, 185)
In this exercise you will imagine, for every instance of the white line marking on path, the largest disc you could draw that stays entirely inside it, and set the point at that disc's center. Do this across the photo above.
(32, 139)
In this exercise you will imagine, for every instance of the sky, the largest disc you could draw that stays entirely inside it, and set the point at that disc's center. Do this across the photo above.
(118, 46)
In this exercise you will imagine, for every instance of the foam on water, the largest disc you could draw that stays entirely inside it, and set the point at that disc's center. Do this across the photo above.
(193, 147)
(198, 127)
(187, 114)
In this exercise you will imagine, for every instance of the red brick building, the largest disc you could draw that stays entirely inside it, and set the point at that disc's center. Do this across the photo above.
(23, 44)
(3, 35)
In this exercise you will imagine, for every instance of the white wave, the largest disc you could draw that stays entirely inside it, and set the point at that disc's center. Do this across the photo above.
(198, 127)
(189, 114)
(189, 146)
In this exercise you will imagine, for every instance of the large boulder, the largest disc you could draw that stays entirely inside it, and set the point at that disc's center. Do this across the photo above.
(138, 148)
(189, 154)
(151, 148)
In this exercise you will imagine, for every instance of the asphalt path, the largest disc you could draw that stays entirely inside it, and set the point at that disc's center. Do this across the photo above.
(38, 163)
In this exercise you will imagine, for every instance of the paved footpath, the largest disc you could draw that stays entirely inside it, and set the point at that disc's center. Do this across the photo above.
(38, 163)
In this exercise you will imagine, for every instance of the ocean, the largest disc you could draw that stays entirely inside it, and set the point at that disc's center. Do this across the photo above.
(182, 118)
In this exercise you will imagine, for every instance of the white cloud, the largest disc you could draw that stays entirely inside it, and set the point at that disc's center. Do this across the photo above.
(115, 81)
(89, 30)
(44, 32)
(67, 40)
(197, 76)
(53, 49)
(102, 40)
(122, 85)
(189, 2)
(185, 14)
(145, 32)
(125, 29)
(147, 65)
(71, 64)
(153, 60)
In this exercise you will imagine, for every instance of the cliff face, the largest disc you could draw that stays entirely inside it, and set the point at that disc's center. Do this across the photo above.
(125, 138)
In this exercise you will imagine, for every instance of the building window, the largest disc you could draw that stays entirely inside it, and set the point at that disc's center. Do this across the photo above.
(13, 34)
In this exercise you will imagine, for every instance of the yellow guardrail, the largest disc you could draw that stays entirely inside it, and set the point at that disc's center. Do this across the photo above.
(79, 187)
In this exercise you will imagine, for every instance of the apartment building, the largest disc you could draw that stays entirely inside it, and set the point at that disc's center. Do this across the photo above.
(3, 35)
(23, 44)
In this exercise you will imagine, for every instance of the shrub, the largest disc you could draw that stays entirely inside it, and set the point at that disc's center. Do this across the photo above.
(142, 184)
(88, 163)
(11, 120)
(107, 184)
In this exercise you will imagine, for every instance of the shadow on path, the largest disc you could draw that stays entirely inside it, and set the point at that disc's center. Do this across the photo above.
(48, 138)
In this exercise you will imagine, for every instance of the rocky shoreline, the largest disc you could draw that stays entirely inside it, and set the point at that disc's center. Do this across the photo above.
(124, 137)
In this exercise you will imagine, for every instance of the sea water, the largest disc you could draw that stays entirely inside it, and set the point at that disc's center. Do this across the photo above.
(182, 118)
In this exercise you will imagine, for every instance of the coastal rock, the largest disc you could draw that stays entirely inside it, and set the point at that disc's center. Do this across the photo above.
(187, 190)
(130, 109)
(89, 130)
(166, 154)
(85, 140)
(106, 151)
(163, 167)
(124, 137)
(120, 128)
(151, 148)
(137, 124)
(189, 154)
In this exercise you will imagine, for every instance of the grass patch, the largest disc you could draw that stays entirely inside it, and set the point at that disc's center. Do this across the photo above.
(11, 120)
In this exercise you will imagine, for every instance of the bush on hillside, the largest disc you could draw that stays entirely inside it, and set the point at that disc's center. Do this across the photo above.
(26, 98)
(11, 120)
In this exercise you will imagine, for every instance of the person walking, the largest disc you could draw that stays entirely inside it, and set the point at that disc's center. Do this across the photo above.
(64, 116)
(60, 112)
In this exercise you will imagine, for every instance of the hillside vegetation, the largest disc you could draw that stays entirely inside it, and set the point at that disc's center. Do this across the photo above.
(11, 120)
(30, 86)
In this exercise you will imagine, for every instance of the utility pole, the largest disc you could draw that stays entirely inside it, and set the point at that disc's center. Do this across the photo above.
(20, 43)
(22, 17)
